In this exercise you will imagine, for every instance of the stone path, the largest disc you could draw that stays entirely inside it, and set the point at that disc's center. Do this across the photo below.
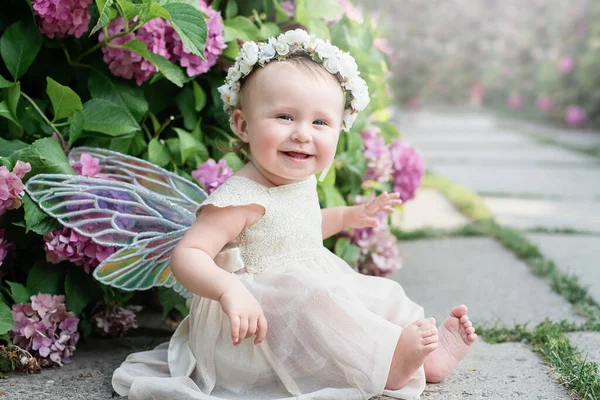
(525, 184)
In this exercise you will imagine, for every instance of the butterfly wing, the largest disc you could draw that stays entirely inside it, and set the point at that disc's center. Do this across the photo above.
(142, 265)
(140, 173)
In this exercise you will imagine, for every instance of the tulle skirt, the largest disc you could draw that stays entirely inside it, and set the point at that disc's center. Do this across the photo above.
(331, 334)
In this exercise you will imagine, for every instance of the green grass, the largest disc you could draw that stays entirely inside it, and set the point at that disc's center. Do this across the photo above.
(564, 231)
(430, 233)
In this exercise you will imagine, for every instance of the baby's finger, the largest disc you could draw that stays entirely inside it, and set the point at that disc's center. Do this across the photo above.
(262, 330)
(251, 327)
(388, 209)
(243, 328)
(235, 328)
(371, 222)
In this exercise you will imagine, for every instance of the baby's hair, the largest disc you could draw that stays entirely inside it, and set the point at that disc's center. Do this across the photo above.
(300, 60)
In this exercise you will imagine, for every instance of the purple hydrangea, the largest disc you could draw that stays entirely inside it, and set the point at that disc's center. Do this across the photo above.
(377, 154)
(212, 174)
(409, 168)
(46, 329)
(11, 187)
(114, 320)
(62, 17)
(566, 64)
(215, 44)
(128, 64)
(67, 245)
(289, 8)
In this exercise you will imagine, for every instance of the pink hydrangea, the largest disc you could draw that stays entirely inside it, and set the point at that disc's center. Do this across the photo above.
(574, 115)
(566, 64)
(350, 10)
(377, 155)
(409, 168)
(128, 64)
(62, 17)
(88, 166)
(544, 103)
(515, 101)
(46, 329)
(215, 44)
(67, 245)
(384, 45)
(211, 175)
(114, 320)
(11, 187)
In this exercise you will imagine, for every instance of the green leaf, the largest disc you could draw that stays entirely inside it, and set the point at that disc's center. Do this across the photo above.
(7, 147)
(330, 177)
(138, 47)
(281, 15)
(317, 9)
(64, 100)
(106, 14)
(125, 95)
(330, 195)
(46, 278)
(318, 28)
(19, 293)
(170, 71)
(189, 145)
(12, 95)
(6, 319)
(347, 251)
(36, 219)
(4, 83)
(199, 96)
(240, 28)
(269, 29)
(231, 10)
(76, 127)
(233, 161)
(189, 23)
(232, 50)
(158, 154)
(5, 112)
(185, 101)
(104, 116)
(80, 289)
(19, 46)
(46, 157)
(169, 300)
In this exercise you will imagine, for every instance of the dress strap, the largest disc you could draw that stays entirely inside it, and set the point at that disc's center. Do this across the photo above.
(238, 191)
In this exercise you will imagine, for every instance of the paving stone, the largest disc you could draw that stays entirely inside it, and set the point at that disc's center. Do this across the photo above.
(88, 377)
(443, 121)
(446, 138)
(575, 137)
(548, 213)
(575, 255)
(530, 153)
(479, 272)
(499, 371)
(429, 209)
(525, 180)
(588, 343)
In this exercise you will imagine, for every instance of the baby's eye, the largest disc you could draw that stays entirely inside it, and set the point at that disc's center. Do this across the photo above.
(286, 117)
(320, 122)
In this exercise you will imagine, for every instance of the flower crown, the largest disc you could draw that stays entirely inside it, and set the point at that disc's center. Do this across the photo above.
(337, 62)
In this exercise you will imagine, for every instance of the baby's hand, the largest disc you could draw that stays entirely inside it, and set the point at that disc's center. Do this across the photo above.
(245, 314)
(362, 216)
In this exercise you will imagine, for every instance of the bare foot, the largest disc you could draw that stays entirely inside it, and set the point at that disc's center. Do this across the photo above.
(457, 334)
(416, 342)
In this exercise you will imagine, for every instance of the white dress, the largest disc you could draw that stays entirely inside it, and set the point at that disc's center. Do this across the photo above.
(332, 331)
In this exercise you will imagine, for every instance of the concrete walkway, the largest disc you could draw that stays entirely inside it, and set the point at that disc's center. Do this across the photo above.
(526, 183)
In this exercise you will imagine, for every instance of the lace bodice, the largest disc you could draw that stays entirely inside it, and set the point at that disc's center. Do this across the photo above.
(290, 229)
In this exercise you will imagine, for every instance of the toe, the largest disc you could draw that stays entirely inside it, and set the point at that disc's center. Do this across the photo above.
(422, 322)
(430, 339)
(459, 311)
(468, 324)
(472, 337)
(470, 330)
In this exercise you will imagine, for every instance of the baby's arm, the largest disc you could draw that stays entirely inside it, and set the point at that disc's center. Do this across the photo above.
(192, 263)
(335, 219)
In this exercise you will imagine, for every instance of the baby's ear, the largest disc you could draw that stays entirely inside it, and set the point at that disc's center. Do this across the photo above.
(240, 125)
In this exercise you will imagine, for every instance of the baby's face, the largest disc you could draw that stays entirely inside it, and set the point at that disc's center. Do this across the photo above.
(293, 120)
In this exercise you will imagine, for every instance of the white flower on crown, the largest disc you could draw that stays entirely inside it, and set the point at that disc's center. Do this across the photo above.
(297, 36)
(334, 60)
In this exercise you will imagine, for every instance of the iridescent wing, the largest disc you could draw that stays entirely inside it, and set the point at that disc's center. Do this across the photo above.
(143, 174)
(113, 213)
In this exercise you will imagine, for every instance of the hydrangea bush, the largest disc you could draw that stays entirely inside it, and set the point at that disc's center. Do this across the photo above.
(141, 78)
